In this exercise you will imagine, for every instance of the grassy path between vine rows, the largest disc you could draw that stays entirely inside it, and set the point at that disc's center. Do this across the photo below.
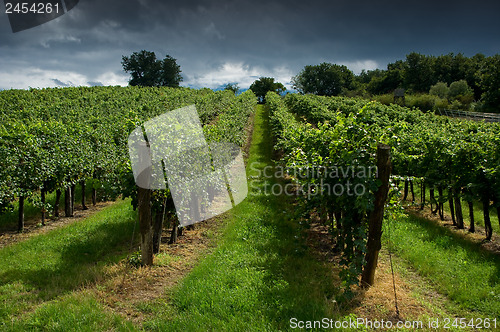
(33, 225)
(260, 275)
(40, 277)
(457, 263)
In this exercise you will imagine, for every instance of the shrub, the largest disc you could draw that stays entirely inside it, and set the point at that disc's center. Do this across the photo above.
(385, 99)
(441, 103)
(423, 102)
(440, 89)
(460, 88)
(456, 105)
(466, 100)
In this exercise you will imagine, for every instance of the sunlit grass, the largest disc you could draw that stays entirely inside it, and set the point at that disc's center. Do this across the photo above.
(456, 267)
(48, 266)
(261, 274)
(75, 312)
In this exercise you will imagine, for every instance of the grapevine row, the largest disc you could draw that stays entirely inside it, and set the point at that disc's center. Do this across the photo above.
(460, 158)
(456, 157)
(52, 139)
(334, 168)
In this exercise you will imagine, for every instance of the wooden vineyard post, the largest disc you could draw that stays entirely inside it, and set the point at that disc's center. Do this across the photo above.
(145, 218)
(82, 184)
(487, 221)
(67, 202)
(42, 197)
(20, 223)
(375, 221)
(94, 191)
(56, 204)
(144, 208)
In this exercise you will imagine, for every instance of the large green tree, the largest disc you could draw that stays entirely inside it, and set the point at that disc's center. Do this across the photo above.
(490, 83)
(265, 84)
(325, 79)
(386, 81)
(419, 73)
(146, 70)
(232, 87)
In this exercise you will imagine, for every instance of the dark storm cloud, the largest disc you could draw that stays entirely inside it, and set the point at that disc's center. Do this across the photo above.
(60, 83)
(238, 41)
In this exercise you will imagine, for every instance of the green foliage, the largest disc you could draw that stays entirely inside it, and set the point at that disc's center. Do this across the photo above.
(420, 73)
(230, 124)
(490, 83)
(170, 72)
(441, 104)
(385, 99)
(325, 79)
(460, 89)
(341, 143)
(135, 259)
(423, 102)
(337, 131)
(265, 84)
(54, 138)
(146, 70)
(232, 87)
(366, 77)
(439, 89)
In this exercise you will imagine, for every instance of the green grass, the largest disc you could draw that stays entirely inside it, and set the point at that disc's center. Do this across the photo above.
(463, 271)
(75, 312)
(261, 274)
(45, 268)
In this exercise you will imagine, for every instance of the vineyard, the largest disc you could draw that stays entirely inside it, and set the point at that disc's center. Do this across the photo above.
(327, 168)
(458, 159)
(53, 139)
(319, 136)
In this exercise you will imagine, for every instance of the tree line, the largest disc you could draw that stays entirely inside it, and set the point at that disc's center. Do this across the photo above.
(430, 82)
(460, 78)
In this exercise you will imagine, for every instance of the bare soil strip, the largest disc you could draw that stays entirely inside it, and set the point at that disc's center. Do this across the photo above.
(377, 302)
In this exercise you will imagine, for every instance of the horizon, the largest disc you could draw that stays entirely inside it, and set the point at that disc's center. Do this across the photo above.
(238, 42)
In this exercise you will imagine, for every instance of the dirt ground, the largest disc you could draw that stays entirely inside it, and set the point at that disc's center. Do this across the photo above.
(377, 302)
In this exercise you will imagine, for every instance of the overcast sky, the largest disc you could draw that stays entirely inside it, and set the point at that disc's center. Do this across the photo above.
(217, 42)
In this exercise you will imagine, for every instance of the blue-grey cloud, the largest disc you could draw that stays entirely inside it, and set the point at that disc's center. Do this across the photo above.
(236, 40)
(61, 83)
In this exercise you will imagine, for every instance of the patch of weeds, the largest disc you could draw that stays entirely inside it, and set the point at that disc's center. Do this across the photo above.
(209, 234)
(135, 259)
(164, 259)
